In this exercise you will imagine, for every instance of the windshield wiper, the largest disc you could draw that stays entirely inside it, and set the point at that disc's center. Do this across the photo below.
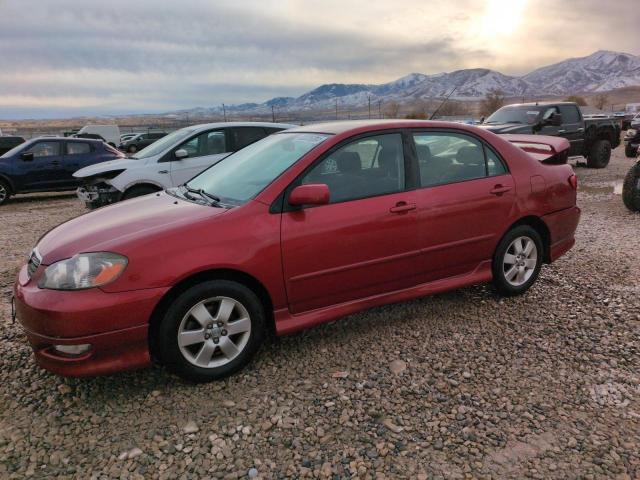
(213, 199)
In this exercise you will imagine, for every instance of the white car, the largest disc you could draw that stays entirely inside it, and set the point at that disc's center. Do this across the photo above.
(169, 162)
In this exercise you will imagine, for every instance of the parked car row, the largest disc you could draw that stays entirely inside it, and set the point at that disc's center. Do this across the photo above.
(168, 162)
(300, 227)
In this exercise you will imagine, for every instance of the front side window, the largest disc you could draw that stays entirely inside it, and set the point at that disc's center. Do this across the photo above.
(245, 173)
(453, 157)
(208, 143)
(364, 168)
(165, 143)
(77, 148)
(45, 149)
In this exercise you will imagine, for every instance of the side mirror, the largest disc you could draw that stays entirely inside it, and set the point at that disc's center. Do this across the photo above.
(556, 120)
(181, 153)
(481, 119)
(311, 194)
(27, 156)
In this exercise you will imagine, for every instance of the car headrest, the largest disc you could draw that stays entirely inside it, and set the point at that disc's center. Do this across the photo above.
(215, 144)
(470, 155)
(349, 162)
(388, 159)
(424, 152)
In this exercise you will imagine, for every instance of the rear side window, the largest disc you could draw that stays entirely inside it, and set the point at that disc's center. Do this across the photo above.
(570, 114)
(45, 149)
(452, 157)
(78, 148)
(364, 168)
(244, 136)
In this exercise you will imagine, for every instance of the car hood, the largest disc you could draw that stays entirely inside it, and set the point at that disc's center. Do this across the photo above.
(507, 127)
(103, 167)
(113, 228)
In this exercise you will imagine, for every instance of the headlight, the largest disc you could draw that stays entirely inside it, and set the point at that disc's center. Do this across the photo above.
(85, 270)
(631, 132)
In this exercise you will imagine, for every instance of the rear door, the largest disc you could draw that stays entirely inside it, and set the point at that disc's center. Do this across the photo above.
(465, 200)
(365, 241)
(76, 156)
(572, 128)
(204, 150)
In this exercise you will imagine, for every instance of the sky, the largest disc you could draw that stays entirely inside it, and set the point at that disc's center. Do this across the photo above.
(66, 57)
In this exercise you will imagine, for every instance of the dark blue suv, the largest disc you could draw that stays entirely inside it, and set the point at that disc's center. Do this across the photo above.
(47, 164)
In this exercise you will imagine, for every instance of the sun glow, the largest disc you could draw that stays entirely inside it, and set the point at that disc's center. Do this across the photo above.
(502, 17)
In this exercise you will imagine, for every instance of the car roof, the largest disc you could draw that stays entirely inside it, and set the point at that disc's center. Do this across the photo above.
(540, 104)
(206, 126)
(361, 126)
(64, 139)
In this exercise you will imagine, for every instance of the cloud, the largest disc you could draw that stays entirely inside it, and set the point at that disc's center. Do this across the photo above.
(152, 56)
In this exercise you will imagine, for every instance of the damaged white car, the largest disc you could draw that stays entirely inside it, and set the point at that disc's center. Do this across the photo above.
(169, 162)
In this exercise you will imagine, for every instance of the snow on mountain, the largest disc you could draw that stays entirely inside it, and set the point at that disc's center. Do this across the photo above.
(600, 71)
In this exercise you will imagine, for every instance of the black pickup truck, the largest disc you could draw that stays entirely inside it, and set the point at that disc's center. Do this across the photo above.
(592, 138)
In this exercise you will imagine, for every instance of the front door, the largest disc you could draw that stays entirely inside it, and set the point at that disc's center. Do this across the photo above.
(464, 203)
(45, 171)
(364, 242)
(204, 150)
(572, 128)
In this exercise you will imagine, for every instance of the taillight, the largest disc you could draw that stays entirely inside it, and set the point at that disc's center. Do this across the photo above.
(573, 181)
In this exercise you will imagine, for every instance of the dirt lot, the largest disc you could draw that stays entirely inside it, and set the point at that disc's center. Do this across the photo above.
(464, 384)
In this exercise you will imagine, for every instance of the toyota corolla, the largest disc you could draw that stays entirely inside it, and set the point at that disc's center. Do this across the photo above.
(300, 228)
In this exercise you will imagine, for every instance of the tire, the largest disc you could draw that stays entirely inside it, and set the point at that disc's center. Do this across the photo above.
(139, 191)
(507, 281)
(220, 305)
(132, 149)
(600, 154)
(630, 152)
(631, 189)
(5, 192)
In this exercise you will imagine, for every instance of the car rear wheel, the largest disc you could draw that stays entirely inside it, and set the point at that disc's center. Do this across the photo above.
(631, 189)
(211, 331)
(138, 191)
(5, 192)
(517, 260)
(599, 155)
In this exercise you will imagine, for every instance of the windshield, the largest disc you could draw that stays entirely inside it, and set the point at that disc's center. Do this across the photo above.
(521, 114)
(244, 174)
(165, 142)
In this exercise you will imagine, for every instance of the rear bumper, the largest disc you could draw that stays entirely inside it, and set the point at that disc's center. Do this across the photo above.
(562, 228)
(115, 325)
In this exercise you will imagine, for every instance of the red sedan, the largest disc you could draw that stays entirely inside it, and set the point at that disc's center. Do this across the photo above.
(300, 228)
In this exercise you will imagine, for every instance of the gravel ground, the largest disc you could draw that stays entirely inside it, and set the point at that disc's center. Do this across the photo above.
(459, 385)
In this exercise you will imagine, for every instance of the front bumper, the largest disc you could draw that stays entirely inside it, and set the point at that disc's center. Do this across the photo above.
(95, 196)
(114, 324)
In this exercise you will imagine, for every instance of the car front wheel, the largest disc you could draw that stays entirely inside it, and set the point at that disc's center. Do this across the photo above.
(5, 192)
(517, 260)
(631, 189)
(211, 331)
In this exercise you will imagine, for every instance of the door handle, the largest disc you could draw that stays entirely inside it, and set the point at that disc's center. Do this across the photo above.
(163, 171)
(55, 162)
(581, 129)
(561, 131)
(499, 190)
(402, 207)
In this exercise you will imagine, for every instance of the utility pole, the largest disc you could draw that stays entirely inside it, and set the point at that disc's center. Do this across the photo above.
(369, 97)
(224, 112)
(380, 108)
(273, 113)
(336, 108)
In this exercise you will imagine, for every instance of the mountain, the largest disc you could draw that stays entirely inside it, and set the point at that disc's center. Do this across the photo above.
(598, 72)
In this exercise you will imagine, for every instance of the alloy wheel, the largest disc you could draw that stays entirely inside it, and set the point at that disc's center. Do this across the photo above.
(214, 332)
(3, 193)
(520, 261)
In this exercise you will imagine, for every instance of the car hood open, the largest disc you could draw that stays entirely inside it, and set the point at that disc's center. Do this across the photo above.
(115, 227)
